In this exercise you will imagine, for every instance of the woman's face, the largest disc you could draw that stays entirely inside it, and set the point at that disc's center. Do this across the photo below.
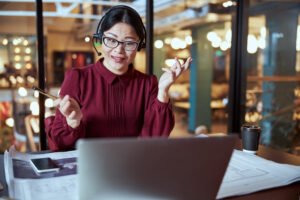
(117, 59)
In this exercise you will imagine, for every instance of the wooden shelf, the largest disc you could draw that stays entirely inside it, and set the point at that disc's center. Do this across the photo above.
(274, 78)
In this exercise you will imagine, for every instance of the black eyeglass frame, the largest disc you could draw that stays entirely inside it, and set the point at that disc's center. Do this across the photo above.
(117, 42)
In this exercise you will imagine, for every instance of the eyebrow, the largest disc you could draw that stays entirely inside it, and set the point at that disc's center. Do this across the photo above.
(127, 37)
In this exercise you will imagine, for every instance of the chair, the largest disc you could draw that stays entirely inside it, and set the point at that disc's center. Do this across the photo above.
(32, 131)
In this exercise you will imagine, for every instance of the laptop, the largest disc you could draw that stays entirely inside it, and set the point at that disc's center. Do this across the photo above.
(154, 168)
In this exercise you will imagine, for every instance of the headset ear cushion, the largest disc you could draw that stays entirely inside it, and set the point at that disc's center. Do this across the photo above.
(142, 45)
(97, 37)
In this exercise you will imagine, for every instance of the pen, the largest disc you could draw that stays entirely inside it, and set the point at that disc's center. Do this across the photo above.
(44, 93)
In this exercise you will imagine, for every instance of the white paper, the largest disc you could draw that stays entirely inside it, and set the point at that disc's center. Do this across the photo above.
(248, 173)
(24, 183)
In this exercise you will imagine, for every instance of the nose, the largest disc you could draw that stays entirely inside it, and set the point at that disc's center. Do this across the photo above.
(120, 47)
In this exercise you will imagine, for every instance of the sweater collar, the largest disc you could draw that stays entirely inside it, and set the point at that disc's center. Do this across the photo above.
(111, 77)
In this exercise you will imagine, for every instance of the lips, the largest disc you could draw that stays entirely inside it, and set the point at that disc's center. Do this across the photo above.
(118, 59)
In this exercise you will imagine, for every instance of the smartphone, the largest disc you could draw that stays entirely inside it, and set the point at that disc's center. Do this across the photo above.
(41, 165)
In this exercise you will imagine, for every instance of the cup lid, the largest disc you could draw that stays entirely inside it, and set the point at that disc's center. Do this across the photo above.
(250, 127)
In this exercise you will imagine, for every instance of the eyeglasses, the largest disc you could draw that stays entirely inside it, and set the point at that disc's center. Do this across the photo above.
(113, 43)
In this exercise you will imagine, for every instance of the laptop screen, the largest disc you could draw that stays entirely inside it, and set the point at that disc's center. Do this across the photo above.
(156, 168)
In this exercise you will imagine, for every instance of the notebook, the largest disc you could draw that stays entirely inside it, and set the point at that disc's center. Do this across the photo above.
(154, 168)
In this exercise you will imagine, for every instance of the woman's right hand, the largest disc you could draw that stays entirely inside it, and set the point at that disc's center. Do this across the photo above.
(70, 109)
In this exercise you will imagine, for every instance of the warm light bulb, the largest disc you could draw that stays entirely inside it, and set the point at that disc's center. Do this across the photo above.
(158, 44)
(22, 92)
(17, 58)
(224, 45)
(189, 40)
(34, 107)
(228, 36)
(18, 66)
(5, 42)
(28, 50)
(168, 40)
(27, 58)
(28, 65)
(252, 44)
(30, 79)
(211, 36)
(25, 42)
(49, 103)
(36, 94)
(17, 50)
(175, 43)
(74, 56)
(10, 122)
(87, 39)
(20, 79)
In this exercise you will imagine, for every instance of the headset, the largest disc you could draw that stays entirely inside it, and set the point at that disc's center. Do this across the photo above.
(97, 37)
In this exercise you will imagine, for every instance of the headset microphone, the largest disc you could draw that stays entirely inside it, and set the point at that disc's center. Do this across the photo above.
(96, 43)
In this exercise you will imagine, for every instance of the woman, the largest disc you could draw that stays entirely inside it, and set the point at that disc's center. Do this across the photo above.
(110, 98)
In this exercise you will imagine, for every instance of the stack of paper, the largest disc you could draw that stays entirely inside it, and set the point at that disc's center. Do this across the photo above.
(249, 173)
(24, 183)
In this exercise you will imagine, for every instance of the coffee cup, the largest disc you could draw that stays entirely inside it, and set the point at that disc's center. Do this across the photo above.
(250, 138)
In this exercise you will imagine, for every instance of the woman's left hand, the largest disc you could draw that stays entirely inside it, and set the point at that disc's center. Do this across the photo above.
(169, 77)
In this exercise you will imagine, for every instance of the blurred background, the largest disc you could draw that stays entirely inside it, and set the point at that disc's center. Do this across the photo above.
(203, 29)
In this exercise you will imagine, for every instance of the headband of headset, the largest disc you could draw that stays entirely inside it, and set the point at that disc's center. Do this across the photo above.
(99, 32)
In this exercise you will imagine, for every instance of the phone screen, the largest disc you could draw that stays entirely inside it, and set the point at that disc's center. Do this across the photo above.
(44, 165)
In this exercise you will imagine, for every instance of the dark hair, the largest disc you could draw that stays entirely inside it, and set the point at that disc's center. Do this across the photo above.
(124, 14)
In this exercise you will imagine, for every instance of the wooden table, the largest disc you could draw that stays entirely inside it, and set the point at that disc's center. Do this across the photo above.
(290, 192)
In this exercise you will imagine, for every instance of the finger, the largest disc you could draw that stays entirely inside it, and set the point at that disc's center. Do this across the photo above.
(178, 72)
(177, 63)
(189, 60)
(72, 115)
(167, 70)
(187, 63)
(173, 76)
(64, 100)
(57, 101)
(63, 108)
(66, 108)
